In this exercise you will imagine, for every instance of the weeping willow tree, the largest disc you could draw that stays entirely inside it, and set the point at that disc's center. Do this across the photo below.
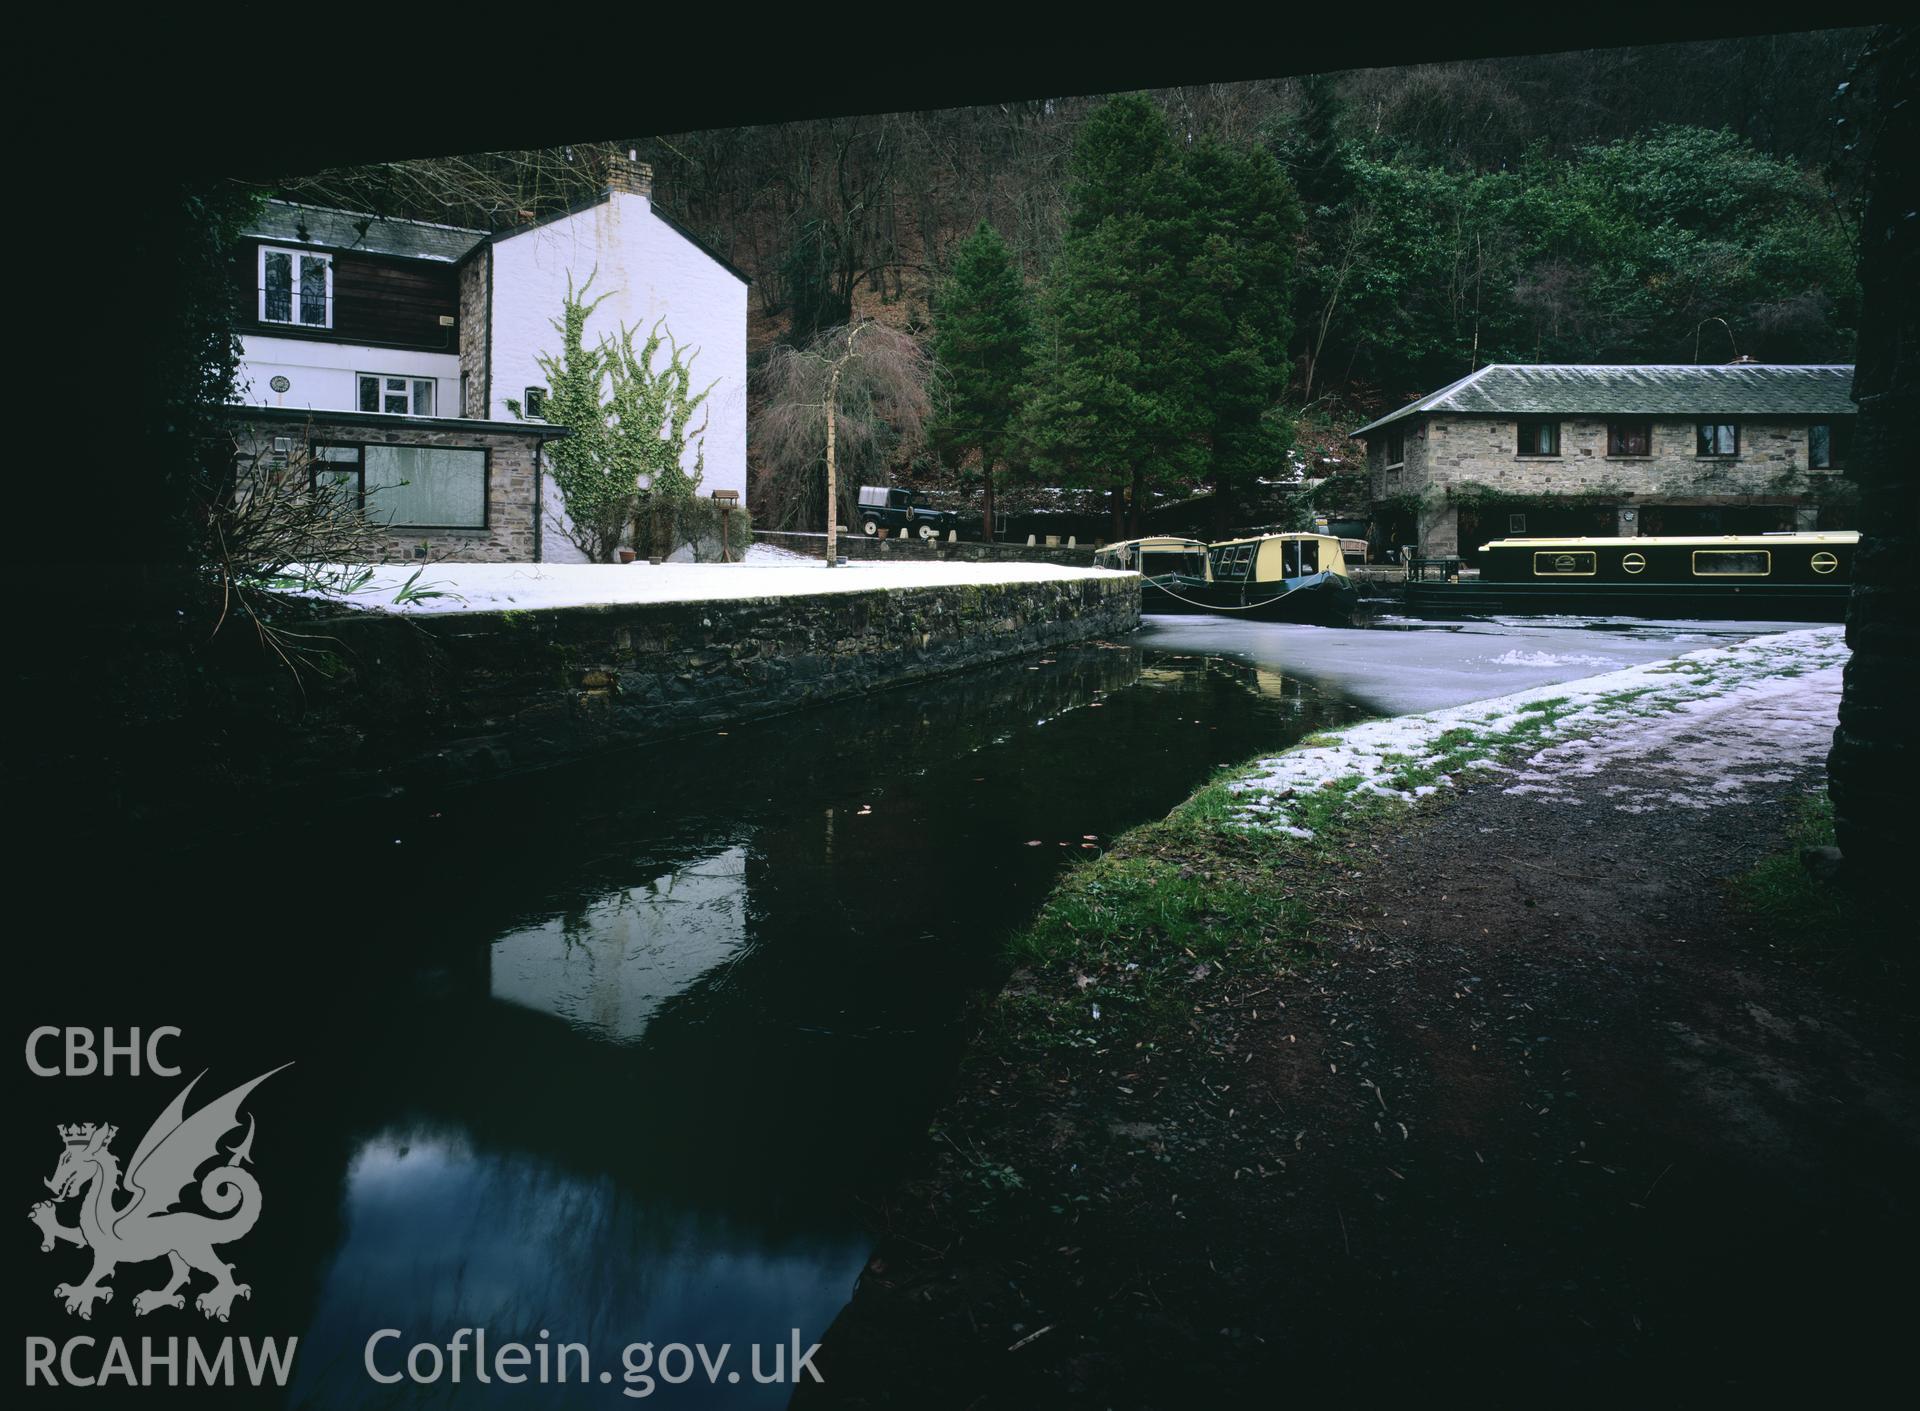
(838, 405)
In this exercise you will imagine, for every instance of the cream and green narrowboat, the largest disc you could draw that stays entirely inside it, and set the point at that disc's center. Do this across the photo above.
(1174, 570)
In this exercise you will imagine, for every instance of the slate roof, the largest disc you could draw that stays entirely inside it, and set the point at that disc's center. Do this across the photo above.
(294, 224)
(1641, 389)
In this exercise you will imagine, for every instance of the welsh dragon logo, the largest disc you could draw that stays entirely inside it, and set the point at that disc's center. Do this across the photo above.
(146, 1226)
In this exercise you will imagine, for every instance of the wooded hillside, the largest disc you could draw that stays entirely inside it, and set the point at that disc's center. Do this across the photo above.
(1674, 203)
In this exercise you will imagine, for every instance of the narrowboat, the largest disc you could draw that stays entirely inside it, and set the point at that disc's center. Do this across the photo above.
(1274, 577)
(1281, 578)
(1175, 570)
(1787, 576)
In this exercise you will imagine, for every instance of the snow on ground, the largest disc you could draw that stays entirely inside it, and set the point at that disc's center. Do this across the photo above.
(482, 587)
(1706, 752)
(1709, 721)
(773, 553)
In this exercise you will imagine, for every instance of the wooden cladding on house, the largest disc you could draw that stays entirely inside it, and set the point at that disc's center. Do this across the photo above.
(372, 299)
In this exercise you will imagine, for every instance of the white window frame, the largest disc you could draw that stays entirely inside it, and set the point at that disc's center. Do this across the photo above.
(413, 381)
(295, 255)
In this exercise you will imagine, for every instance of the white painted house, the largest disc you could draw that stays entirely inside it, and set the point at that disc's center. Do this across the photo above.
(384, 338)
(650, 271)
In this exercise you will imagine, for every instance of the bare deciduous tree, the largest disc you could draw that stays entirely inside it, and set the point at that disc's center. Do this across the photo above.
(289, 523)
(845, 400)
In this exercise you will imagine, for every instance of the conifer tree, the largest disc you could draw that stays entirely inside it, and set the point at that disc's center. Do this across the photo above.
(1112, 405)
(983, 326)
(1236, 317)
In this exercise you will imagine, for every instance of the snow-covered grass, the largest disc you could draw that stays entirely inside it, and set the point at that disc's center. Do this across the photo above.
(482, 587)
(1705, 721)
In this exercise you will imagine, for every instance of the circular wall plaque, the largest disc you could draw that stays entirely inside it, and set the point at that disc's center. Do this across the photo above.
(279, 383)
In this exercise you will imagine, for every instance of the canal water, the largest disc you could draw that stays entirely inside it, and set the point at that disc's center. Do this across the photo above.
(615, 1054)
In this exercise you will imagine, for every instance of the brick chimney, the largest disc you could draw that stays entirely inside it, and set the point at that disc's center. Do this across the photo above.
(630, 174)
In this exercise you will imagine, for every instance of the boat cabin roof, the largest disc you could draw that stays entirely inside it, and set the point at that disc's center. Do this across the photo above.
(1164, 541)
(1262, 538)
(1825, 536)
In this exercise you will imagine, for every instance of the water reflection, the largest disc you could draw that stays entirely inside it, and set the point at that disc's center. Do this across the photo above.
(442, 1236)
(607, 967)
(616, 1051)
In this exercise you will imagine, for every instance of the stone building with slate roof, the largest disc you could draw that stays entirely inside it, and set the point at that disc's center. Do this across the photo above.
(384, 354)
(1607, 449)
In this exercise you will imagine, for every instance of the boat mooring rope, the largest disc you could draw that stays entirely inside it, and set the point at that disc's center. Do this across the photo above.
(1244, 607)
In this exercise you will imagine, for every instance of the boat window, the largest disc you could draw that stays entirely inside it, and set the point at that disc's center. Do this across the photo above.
(1634, 563)
(1243, 559)
(1577, 563)
(1732, 563)
(1168, 561)
(1309, 555)
(1825, 563)
(1290, 558)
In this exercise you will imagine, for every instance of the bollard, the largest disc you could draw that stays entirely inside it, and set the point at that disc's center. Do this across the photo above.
(953, 536)
(1029, 541)
(1073, 541)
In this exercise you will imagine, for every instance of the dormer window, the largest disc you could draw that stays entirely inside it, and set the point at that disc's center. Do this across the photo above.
(296, 287)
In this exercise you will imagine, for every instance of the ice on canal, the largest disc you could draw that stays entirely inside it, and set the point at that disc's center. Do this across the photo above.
(1404, 665)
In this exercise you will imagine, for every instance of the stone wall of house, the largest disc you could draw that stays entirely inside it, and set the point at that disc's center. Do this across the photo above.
(1409, 476)
(475, 288)
(512, 490)
(402, 706)
(1772, 460)
(1443, 451)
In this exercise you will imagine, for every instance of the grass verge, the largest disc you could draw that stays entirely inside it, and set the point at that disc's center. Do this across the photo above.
(1802, 908)
(1126, 943)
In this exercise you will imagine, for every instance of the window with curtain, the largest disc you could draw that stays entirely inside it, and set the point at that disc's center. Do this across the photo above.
(1629, 438)
(426, 487)
(1718, 438)
(1539, 437)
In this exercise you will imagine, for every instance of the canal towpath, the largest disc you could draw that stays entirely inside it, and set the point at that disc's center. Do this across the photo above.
(1530, 1089)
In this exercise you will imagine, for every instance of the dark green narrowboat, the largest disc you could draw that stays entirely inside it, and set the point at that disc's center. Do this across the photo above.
(1788, 576)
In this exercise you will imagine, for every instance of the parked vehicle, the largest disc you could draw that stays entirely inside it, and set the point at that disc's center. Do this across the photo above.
(886, 507)
(1799, 576)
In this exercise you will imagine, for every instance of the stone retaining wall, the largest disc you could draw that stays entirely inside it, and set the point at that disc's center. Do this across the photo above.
(406, 703)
